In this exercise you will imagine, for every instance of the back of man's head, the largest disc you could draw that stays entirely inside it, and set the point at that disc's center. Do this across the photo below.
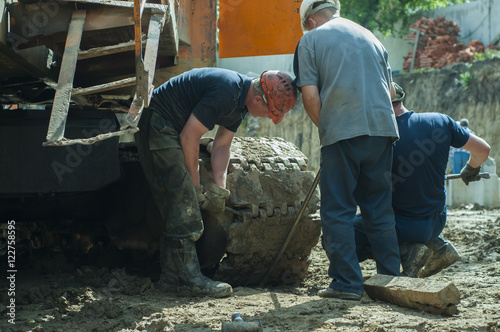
(308, 8)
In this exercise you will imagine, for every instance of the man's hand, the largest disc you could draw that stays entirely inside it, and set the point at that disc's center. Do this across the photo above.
(469, 174)
(215, 198)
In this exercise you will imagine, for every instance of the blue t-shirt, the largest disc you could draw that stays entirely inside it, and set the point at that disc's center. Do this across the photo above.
(419, 162)
(215, 96)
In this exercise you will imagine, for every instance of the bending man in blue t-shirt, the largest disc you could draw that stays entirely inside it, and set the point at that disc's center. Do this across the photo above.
(181, 111)
(419, 193)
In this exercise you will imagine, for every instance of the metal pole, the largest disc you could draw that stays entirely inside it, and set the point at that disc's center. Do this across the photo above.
(292, 230)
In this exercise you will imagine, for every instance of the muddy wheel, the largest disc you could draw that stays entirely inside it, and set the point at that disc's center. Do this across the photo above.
(268, 180)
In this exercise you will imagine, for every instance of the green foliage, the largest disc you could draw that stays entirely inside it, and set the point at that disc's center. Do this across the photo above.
(488, 54)
(479, 56)
(465, 78)
(421, 70)
(389, 16)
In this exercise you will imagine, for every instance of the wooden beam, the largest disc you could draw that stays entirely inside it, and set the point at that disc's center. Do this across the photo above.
(107, 50)
(438, 297)
(104, 87)
(62, 97)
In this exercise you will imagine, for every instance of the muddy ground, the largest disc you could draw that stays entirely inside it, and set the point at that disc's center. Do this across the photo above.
(55, 291)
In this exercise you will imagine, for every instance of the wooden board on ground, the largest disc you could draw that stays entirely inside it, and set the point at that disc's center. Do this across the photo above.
(439, 297)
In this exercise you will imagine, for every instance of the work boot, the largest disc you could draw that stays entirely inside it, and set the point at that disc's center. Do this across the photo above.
(181, 271)
(440, 259)
(413, 258)
(330, 292)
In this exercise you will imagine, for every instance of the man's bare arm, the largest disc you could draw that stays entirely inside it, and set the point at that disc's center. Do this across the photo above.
(479, 150)
(190, 143)
(312, 102)
(221, 151)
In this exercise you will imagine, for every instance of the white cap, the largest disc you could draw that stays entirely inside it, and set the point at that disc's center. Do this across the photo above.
(310, 7)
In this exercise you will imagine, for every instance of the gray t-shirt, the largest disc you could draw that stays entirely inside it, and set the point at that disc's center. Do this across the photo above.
(351, 69)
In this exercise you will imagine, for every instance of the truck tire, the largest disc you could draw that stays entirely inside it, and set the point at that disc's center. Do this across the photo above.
(268, 180)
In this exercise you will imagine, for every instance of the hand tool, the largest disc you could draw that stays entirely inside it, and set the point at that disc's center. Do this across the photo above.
(239, 325)
(457, 176)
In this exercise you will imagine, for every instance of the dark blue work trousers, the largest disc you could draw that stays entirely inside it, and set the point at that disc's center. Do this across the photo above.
(409, 230)
(357, 172)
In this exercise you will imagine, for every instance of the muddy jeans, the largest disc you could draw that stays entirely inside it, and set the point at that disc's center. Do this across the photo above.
(162, 161)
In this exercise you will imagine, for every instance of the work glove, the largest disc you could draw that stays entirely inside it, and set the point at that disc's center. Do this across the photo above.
(215, 198)
(469, 174)
(207, 142)
(200, 195)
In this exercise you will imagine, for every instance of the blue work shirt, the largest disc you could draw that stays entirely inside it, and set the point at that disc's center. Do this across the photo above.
(215, 96)
(419, 162)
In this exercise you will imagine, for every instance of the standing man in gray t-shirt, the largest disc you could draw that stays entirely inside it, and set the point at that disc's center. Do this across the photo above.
(345, 79)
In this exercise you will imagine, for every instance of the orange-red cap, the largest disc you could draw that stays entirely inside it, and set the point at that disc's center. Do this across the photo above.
(279, 92)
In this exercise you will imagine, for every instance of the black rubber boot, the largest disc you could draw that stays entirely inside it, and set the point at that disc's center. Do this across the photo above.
(413, 258)
(169, 280)
(441, 258)
(181, 271)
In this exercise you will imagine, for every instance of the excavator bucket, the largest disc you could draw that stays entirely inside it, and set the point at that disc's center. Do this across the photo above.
(258, 27)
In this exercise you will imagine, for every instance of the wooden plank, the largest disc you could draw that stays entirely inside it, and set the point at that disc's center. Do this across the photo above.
(91, 140)
(145, 70)
(169, 38)
(107, 50)
(154, 32)
(104, 87)
(100, 15)
(439, 297)
(62, 97)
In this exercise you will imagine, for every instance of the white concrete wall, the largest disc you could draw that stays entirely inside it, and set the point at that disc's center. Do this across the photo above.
(254, 66)
(397, 48)
(484, 192)
(476, 19)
